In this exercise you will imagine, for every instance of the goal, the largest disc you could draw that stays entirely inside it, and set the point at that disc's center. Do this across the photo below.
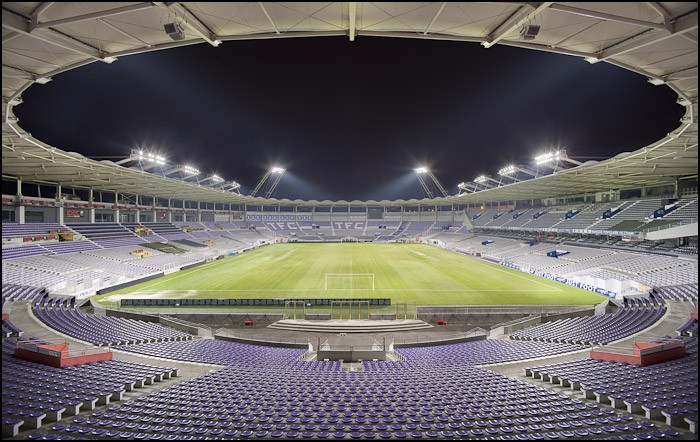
(349, 281)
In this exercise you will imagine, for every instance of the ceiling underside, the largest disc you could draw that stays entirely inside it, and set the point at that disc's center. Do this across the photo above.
(657, 40)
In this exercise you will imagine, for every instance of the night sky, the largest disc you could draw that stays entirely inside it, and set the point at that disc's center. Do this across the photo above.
(349, 120)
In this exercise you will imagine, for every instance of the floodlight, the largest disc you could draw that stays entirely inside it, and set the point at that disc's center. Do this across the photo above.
(421, 170)
(42, 80)
(508, 170)
(191, 170)
(109, 60)
(481, 179)
(216, 178)
(592, 60)
(656, 81)
(547, 157)
(277, 170)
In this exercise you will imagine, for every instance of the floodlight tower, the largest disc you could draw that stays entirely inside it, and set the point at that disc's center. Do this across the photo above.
(511, 172)
(486, 181)
(551, 159)
(267, 186)
(231, 186)
(431, 185)
(466, 187)
(214, 178)
(146, 160)
(186, 171)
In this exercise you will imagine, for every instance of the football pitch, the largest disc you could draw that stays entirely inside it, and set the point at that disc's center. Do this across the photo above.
(407, 273)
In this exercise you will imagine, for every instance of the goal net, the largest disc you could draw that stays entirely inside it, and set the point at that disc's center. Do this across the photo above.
(349, 281)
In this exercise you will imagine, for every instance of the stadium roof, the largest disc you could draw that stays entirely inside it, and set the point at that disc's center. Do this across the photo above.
(657, 40)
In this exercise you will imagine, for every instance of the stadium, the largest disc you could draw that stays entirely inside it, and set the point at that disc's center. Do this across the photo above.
(547, 299)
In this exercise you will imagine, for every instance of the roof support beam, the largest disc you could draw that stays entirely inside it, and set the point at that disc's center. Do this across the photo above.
(272, 22)
(352, 16)
(691, 38)
(18, 24)
(36, 15)
(192, 22)
(609, 17)
(91, 16)
(437, 14)
(10, 36)
(639, 41)
(525, 13)
(543, 48)
(663, 13)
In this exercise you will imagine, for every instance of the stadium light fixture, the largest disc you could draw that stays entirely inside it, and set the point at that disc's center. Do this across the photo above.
(481, 179)
(421, 169)
(277, 170)
(656, 81)
(151, 157)
(42, 80)
(216, 178)
(508, 170)
(109, 60)
(190, 170)
(548, 157)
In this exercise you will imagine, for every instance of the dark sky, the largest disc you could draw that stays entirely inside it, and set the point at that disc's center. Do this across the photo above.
(349, 120)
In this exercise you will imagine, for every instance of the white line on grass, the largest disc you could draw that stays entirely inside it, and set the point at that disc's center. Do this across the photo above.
(202, 267)
(493, 267)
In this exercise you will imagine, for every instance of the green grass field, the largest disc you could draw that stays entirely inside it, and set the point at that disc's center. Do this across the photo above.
(418, 274)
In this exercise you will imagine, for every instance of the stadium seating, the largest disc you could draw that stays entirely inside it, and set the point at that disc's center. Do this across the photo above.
(34, 393)
(15, 230)
(290, 399)
(668, 390)
(635, 315)
(61, 314)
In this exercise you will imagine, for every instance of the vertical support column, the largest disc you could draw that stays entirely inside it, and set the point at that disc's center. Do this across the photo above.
(169, 215)
(116, 207)
(199, 213)
(59, 206)
(91, 209)
(137, 216)
(20, 206)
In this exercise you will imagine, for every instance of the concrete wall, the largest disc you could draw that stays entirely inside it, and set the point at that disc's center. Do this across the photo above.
(258, 342)
(440, 342)
(351, 355)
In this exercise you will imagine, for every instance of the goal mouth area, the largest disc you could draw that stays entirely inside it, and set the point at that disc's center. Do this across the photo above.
(348, 281)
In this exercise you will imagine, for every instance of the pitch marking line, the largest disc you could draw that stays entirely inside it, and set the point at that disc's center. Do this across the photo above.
(518, 276)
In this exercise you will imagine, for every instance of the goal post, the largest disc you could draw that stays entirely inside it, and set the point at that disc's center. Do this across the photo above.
(348, 281)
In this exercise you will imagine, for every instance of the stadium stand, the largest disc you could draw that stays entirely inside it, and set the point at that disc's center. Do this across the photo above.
(666, 390)
(634, 316)
(62, 315)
